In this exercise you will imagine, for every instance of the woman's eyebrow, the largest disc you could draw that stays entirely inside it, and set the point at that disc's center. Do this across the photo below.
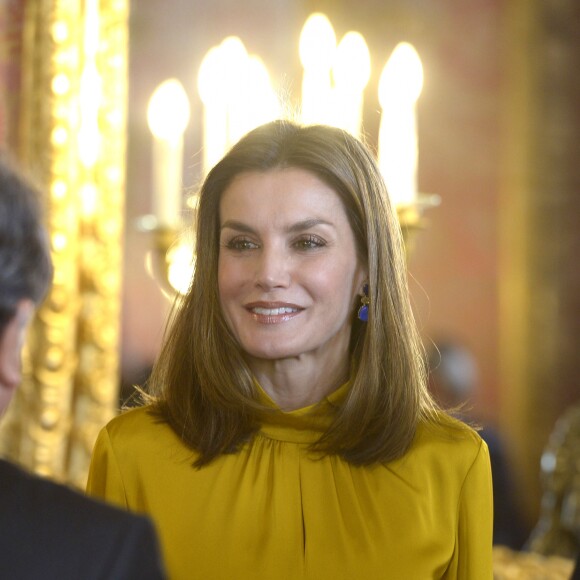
(299, 226)
(307, 224)
(238, 226)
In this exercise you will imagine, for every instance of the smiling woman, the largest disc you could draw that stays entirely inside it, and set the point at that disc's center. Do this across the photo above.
(283, 435)
(289, 279)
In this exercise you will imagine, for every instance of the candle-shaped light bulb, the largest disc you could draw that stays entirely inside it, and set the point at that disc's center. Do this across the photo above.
(262, 104)
(168, 111)
(212, 88)
(399, 88)
(317, 42)
(234, 55)
(235, 62)
(351, 73)
(317, 48)
(402, 77)
(168, 116)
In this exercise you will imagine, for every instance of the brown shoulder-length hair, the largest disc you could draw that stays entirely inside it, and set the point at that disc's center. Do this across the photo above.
(201, 384)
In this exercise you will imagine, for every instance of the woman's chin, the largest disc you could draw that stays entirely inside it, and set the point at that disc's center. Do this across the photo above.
(270, 352)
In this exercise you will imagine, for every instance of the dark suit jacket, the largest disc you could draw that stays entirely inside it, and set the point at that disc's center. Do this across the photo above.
(576, 573)
(48, 531)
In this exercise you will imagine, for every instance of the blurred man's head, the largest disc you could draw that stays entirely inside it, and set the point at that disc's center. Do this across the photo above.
(25, 271)
(453, 374)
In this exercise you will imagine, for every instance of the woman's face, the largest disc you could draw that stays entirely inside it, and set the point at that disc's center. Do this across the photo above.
(289, 275)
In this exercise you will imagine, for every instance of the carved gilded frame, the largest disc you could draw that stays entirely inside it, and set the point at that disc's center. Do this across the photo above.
(72, 137)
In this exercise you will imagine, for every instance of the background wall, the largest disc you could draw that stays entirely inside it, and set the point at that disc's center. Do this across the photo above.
(11, 15)
(496, 267)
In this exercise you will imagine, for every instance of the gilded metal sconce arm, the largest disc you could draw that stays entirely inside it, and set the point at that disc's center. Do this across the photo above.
(412, 219)
(159, 257)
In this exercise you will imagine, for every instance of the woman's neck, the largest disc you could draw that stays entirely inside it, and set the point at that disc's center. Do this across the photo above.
(298, 382)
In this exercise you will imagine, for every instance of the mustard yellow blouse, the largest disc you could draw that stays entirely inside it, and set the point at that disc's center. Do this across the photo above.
(274, 511)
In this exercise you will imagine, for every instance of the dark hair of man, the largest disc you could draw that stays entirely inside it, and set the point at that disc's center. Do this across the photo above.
(25, 264)
(201, 383)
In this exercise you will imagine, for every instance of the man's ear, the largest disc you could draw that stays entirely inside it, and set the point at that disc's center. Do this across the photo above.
(11, 342)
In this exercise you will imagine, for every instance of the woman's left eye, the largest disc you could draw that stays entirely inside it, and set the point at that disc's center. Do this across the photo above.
(309, 243)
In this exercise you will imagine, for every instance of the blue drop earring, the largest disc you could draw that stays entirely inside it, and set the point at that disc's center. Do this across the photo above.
(363, 311)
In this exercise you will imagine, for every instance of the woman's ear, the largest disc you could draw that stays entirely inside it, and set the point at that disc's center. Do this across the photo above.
(11, 342)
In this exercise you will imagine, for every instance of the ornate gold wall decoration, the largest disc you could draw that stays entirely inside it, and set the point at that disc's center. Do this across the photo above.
(73, 139)
(539, 278)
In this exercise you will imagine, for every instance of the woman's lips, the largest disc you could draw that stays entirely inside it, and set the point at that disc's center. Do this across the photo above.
(273, 313)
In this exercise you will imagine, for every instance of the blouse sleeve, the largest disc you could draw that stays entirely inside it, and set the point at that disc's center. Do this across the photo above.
(473, 554)
(105, 480)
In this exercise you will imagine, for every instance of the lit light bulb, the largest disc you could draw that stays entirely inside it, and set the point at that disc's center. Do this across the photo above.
(236, 87)
(211, 86)
(352, 64)
(180, 266)
(402, 76)
(317, 49)
(399, 88)
(168, 111)
(261, 103)
(210, 77)
(351, 73)
(168, 116)
(317, 43)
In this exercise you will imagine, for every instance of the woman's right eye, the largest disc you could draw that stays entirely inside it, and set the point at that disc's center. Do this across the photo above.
(241, 244)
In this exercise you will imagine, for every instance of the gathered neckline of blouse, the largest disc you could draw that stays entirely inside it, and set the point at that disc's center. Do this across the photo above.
(304, 425)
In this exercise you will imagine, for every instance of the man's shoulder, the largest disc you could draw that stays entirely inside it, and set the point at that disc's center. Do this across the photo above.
(37, 498)
(48, 515)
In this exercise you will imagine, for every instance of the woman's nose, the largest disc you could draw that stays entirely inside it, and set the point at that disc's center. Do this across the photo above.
(272, 269)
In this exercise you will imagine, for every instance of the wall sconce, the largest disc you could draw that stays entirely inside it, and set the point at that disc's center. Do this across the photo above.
(400, 85)
(333, 87)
